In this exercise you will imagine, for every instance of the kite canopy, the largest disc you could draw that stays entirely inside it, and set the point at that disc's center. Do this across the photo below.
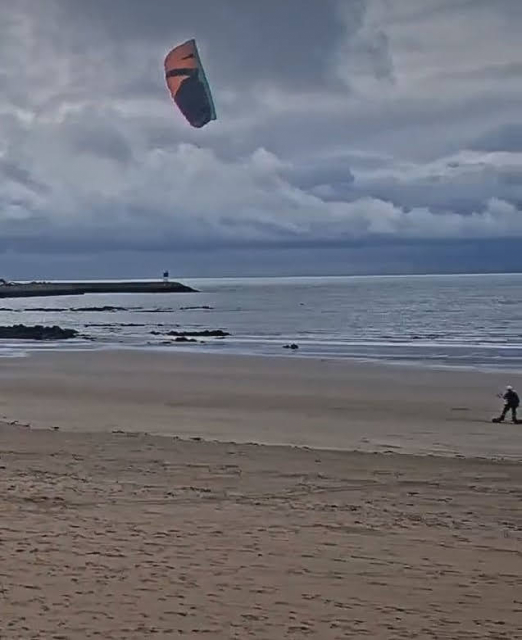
(188, 84)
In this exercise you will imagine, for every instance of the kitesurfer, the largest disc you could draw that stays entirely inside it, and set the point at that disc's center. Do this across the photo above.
(512, 401)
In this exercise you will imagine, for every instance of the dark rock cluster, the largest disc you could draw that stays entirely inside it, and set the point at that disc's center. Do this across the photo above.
(38, 332)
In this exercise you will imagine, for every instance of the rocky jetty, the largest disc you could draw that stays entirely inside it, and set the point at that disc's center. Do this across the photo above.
(33, 289)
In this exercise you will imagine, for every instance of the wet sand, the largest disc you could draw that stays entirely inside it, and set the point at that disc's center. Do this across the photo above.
(297, 401)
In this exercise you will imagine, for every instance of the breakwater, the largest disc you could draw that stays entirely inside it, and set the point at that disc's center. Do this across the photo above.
(35, 289)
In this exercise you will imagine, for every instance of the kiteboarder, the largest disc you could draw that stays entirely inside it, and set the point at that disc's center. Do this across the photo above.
(512, 402)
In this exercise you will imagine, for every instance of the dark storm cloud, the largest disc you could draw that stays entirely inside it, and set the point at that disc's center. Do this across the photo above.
(348, 121)
(289, 41)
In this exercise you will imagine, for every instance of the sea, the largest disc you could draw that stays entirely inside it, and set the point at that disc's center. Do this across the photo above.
(442, 321)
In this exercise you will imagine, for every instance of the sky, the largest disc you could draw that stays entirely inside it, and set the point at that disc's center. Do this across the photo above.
(352, 136)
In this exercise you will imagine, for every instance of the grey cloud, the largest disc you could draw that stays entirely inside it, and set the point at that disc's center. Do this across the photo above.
(11, 171)
(89, 131)
(356, 121)
(365, 54)
(327, 178)
(289, 41)
(506, 137)
(463, 184)
(108, 146)
(330, 259)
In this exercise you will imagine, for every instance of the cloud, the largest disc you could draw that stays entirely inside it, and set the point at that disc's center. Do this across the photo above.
(361, 121)
(462, 183)
(364, 59)
(193, 198)
(506, 137)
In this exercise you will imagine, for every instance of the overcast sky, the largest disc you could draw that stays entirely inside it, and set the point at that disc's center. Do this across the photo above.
(352, 136)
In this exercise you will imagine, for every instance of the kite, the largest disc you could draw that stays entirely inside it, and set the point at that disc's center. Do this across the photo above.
(188, 84)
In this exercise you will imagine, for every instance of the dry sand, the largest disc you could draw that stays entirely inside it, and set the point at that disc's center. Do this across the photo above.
(133, 536)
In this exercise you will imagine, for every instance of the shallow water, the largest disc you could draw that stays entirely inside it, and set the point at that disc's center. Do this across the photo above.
(469, 321)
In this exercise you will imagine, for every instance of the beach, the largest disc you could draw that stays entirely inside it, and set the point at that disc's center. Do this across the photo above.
(320, 403)
(182, 495)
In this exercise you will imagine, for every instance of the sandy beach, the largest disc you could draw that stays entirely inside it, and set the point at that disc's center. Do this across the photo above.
(134, 507)
(334, 404)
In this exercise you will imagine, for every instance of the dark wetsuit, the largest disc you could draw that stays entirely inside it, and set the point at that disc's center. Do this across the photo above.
(512, 402)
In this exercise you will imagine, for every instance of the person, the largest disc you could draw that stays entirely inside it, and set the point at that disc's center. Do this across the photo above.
(512, 402)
